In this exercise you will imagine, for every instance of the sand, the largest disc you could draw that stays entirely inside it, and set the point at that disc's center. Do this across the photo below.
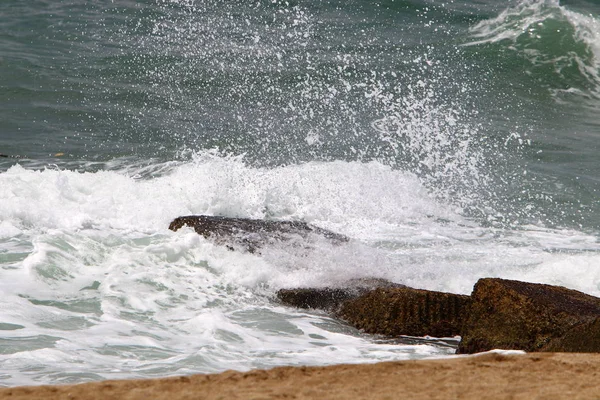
(486, 376)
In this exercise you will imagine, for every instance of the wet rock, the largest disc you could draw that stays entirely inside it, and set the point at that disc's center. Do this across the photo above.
(330, 298)
(406, 312)
(532, 317)
(252, 234)
(499, 314)
(583, 338)
(327, 298)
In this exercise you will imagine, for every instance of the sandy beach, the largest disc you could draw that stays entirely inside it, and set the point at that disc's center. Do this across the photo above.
(484, 376)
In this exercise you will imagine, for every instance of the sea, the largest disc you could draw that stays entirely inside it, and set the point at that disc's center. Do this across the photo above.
(449, 140)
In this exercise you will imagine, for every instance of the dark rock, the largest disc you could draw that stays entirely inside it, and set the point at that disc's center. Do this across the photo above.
(330, 298)
(252, 234)
(327, 298)
(584, 338)
(499, 314)
(406, 311)
(532, 317)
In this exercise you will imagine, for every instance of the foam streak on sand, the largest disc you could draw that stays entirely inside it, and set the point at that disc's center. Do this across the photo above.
(493, 375)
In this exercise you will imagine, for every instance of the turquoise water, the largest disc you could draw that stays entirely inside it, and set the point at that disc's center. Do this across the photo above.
(449, 141)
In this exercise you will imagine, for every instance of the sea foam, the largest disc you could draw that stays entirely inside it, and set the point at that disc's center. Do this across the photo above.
(95, 286)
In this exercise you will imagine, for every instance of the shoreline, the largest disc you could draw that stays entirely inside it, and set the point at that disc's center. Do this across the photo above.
(492, 375)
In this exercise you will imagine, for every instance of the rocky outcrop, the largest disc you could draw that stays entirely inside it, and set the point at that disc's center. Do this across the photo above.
(331, 298)
(583, 338)
(500, 313)
(382, 307)
(510, 314)
(252, 234)
(328, 299)
(406, 312)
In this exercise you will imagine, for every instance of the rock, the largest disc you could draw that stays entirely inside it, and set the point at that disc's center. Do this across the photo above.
(327, 298)
(584, 338)
(532, 317)
(500, 313)
(252, 234)
(406, 312)
(330, 298)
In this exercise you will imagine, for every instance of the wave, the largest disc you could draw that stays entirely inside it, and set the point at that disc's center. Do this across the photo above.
(63, 224)
(561, 46)
(95, 286)
(370, 202)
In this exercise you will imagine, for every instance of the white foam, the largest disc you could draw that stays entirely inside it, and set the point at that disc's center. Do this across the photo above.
(514, 21)
(97, 285)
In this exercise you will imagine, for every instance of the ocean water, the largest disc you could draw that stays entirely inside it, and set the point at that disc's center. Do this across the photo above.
(450, 141)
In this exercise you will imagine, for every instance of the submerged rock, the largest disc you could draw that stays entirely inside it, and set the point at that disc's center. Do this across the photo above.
(532, 317)
(406, 312)
(331, 298)
(252, 234)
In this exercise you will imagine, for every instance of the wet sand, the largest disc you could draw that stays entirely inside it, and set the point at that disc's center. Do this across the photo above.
(485, 376)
